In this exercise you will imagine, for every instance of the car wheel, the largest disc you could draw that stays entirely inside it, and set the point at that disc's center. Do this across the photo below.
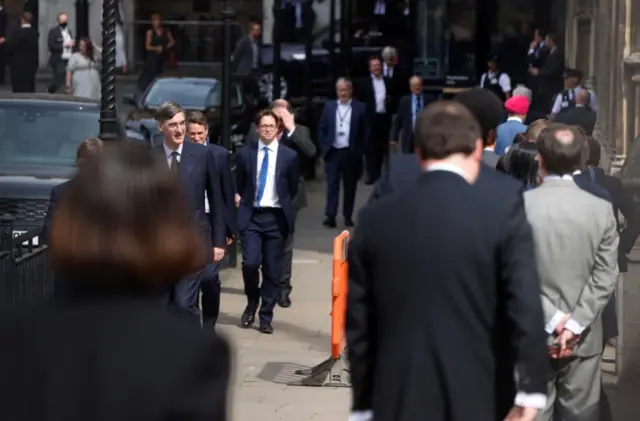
(266, 87)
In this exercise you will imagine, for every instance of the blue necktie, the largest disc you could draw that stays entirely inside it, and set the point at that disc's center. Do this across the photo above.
(262, 178)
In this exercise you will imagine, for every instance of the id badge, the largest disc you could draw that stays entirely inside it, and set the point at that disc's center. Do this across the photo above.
(494, 80)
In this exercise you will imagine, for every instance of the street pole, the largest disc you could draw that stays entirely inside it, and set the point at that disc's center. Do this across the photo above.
(82, 19)
(228, 15)
(345, 37)
(277, 48)
(307, 25)
(331, 90)
(108, 115)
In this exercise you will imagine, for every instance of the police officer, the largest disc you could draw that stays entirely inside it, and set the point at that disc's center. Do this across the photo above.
(566, 100)
(496, 81)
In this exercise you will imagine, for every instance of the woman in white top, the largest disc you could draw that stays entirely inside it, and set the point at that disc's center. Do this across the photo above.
(121, 42)
(83, 71)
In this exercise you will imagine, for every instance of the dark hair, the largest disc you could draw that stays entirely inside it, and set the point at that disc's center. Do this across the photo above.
(520, 163)
(372, 58)
(89, 149)
(268, 113)
(90, 54)
(542, 32)
(519, 138)
(485, 107)
(27, 17)
(595, 152)
(562, 149)
(197, 117)
(446, 128)
(553, 37)
(125, 220)
(535, 129)
(167, 110)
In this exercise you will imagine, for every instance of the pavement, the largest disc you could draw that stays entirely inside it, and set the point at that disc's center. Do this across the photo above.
(265, 364)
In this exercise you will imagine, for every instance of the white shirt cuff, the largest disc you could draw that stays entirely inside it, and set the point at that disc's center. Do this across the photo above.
(574, 327)
(361, 415)
(553, 323)
(531, 51)
(291, 132)
(533, 400)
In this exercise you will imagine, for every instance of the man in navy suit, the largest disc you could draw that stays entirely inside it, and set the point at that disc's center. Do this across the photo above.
(343, 136)
(267, 178)
(196, 167)
(198, 132)
(409, 108)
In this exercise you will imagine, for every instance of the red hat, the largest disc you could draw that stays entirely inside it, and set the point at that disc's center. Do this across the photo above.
(517, 105)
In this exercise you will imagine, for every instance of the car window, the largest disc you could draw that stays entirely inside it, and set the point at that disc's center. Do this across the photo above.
(190, 94)
(38, 133)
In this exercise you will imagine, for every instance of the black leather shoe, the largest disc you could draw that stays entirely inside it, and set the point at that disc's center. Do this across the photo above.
(266, 328)
(349, 223)
(329, 222)
(284, 301)
(248, 316)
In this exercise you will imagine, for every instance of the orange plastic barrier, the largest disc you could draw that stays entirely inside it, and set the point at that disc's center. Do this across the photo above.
(339, 293)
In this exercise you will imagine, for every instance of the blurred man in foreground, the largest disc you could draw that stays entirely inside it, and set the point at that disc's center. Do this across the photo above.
(468, 319)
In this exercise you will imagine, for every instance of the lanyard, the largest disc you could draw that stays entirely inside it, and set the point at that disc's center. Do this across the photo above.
(341, 117)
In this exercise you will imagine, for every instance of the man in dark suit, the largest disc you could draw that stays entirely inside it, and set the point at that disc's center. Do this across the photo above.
(394, 73)
(22, 52)
(198, 132)
(343, 136)
(409, 107)
(550, 76)
(267, 177)
(246, 59)
(480, 316)
(3, 39)
(375, 92)
(60, 42)
(581, 115)
(196, 167)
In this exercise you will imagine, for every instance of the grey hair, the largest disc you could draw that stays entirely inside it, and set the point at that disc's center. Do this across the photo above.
(389, 52)
(522, 90)
(344, 80)
(282, 103)
(167, 110)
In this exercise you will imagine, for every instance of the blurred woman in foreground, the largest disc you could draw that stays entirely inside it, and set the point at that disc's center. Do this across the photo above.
(110, 351)
(520, 162)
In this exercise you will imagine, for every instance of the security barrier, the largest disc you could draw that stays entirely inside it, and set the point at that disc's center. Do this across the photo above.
(333, 371)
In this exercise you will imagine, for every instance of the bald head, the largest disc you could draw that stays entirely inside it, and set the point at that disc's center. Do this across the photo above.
(583, 97)
(562, 150)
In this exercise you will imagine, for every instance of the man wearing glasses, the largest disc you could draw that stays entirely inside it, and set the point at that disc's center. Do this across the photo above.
(267, 177)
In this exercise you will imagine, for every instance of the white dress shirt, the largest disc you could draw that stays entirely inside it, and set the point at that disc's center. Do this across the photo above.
(270, 195)
(380, 8)
(558, 103)
(168, 151)
(379, 94)
(534, 400)
(66, 37)
(387, 70)
(343, 125)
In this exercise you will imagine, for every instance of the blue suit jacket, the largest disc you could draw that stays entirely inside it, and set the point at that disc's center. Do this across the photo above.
(506, 132)
(583, 181)
(358, 135)
(228, 189)
(287, 181)
(199, 174)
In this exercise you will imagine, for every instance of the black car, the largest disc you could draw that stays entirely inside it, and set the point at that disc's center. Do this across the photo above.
(194, 93)
(39, 136)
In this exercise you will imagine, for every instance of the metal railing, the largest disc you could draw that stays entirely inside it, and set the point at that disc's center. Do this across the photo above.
(196, 42)
(26, 275)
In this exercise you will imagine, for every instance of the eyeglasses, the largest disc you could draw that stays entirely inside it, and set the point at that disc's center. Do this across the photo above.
(268, 126)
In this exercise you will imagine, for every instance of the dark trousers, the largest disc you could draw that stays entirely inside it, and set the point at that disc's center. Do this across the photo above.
(340, 165)
(263, 248)
(23, 81)
(210, 287)
(379, 149)
(185, 295)
(59, 69)
(287, 264)
(3, 64)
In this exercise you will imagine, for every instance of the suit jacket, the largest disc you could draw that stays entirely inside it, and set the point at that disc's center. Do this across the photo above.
(54, 203)
(286, 183)
(54, 42)
(490, 158)
(358, 135)
(404, 306)
(93, 353)
(506, 132)
(228, 190)
(199, 174)
(3, 23)
(242, 58)
(22, 50)
(578, 116)
(576, 247)
(551, 77)
(300, 141)
(402, 130)
(365, 93)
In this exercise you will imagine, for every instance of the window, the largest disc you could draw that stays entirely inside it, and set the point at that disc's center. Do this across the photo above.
(35, 133)
(191, 94)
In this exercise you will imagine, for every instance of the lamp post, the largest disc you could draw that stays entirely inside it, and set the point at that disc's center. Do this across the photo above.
(82, 19)
(345, 37)
(228, 16)
(332, 48)
(108, 116)
(276, 88)
(307, 15)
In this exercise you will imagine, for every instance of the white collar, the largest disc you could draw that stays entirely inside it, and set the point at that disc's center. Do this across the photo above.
(443, 166)
(346, 104)
(168, 151)
(25, 25)
(273, 146)
(514, 118)
(489, 148)
(566, 177)
(375, 79)
(577, 172)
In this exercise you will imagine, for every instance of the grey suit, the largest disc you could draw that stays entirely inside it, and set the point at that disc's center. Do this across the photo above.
(243, 60)
(490, 158)
(576, 245)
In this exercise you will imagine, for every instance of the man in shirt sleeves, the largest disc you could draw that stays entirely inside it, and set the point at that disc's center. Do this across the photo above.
(267, 177)
(442, 307)
(343, 134)
(195, 166)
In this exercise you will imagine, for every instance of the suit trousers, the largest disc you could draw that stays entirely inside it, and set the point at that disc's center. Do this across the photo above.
(287, 265)
(22, 80)
(574, 390)
(210, 288)
(3, 63)
(263, 249)
(341, 165)
(379, 148)
(59, 69)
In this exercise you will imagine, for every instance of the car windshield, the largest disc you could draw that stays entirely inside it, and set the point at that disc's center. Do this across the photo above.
(193, 94)
(41, 133)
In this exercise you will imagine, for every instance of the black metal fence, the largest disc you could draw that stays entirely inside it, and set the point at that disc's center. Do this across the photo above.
(26, 275)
